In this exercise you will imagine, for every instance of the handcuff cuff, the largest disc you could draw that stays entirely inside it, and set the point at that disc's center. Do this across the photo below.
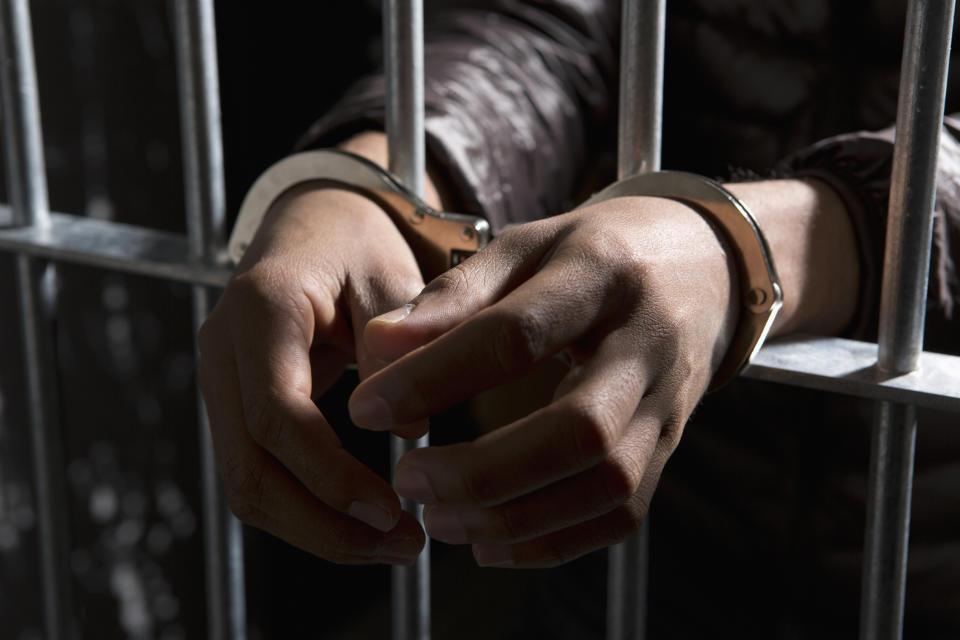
(441, 240)
(761, 295)
(438, 239)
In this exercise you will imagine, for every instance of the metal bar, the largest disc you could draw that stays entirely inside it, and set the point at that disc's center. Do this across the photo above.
(849, 367)
(27, 184)
(115, 246)
(205, 205)
(403, 61)
(639, 124)
(836, 365)
(640, 113)
(23, 138)
(923, 81)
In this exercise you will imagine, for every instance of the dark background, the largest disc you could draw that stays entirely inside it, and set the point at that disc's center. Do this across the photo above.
(124, 344)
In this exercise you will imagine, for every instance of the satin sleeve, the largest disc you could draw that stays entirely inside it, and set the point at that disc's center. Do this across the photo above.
(516, 93)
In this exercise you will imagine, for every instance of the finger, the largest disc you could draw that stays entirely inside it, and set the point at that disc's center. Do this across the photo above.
(268, 391)
(572, 434)
(568, 544)
(563, 546)
(459, 293)
(264, 494)
(370, 296)
(568, 502)
(546, 313)
(268, 497)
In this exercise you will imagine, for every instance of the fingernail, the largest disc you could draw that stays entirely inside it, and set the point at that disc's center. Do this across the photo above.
(413, 484)
(493, 555)
(371, 412)
(374, 515)
(399, 548)
(445, 525)
(395, 316)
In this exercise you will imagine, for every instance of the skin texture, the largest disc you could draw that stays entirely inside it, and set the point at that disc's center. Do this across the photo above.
(637, 296)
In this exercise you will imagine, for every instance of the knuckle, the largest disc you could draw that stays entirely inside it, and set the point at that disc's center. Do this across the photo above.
(479, 487)
(243, 510)
(519, 341)
(634, 513)
(451, 282)
(513, 523)
(671, 429)
(619, 480)
(517, 237)
(594, 431)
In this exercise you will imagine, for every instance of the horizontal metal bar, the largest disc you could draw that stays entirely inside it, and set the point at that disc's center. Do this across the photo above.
(112, 245)
(849, 367)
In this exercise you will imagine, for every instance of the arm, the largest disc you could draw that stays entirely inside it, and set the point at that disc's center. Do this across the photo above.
(583, 468)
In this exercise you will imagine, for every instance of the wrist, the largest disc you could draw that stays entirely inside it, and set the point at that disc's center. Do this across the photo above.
(372, 145)
(438, 239)
(813, 245)
(315, 223)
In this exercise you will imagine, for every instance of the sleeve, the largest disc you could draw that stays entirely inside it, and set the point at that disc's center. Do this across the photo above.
(857, 166)
(515, 94)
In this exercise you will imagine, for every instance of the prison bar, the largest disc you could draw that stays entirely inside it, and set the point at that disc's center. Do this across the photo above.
(205, 203)
(403, 63)
(27, 186)
(923, 84)
(830, 364)
(639, 141)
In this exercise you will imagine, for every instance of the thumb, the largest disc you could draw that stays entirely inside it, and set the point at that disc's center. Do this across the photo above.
(379, 295)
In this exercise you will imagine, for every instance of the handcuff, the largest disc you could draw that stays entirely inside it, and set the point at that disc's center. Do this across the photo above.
(441, 240)
(761, 295)
(438, 239)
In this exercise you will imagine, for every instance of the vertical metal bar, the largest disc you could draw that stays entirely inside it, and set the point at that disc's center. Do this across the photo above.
(640, 115)
(204, 192)
(403, 61)
(26, 173)
(639, 135)
(27, 186)
(923, 81)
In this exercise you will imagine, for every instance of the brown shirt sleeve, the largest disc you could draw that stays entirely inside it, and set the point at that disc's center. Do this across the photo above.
(515, 95)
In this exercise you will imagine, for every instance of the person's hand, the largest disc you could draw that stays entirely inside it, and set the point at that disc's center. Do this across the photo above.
(637, 293)
(640, 296)
(322, 264)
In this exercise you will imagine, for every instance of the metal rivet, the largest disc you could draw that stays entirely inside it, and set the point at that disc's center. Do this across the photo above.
(467, 233)
(757, 296)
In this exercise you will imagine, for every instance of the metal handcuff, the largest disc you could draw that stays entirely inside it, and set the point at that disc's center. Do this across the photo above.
(441, 240)
(438, 239)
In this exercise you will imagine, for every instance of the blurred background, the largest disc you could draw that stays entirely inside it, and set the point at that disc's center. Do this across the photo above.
(124, 344)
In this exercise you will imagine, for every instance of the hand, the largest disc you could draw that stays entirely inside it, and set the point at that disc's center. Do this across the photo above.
(323, 263)
(637, 293)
